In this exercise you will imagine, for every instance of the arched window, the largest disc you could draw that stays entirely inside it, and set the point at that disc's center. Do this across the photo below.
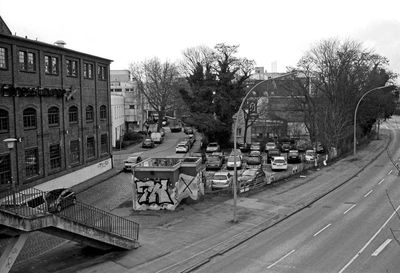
(89, 114)
(103, 112)
(3, 121)
(73, 114)
(29, 116)
(54, 116)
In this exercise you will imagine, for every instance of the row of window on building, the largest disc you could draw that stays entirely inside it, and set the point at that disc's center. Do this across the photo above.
(53, 113)
(27, 63)
(32, 159)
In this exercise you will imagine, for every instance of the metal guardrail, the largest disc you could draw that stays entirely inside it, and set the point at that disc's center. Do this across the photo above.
(31, 203)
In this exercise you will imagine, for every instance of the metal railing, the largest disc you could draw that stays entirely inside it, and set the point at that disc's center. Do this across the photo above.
(27, 203)
(99, 219)
(31, 203)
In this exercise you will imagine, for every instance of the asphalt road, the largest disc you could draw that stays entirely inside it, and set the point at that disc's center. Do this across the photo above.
(349, 230)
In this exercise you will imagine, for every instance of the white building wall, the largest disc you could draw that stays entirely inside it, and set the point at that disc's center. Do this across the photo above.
(117, 117)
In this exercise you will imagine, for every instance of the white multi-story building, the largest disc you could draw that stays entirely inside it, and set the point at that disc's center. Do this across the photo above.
(136, 109)
(117, 117)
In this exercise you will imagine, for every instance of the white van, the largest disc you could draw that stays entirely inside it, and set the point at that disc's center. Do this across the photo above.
(157, 137)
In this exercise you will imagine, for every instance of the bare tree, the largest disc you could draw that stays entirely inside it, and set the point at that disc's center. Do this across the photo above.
(158, 82)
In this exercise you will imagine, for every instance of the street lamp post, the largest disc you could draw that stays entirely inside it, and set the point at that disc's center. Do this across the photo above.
(10, 143)
(235, 141)
(355, 117)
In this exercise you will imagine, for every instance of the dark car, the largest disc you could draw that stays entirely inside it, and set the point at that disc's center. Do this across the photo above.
(294, 156)
(188, 130)
(254, 158)
(285, 147)
(59, 199)
(272, 153)
(244, 147)
(214, 162)
(251, 178)
(148, 143)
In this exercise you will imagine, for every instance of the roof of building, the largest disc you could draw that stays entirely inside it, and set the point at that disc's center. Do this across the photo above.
(4, 28)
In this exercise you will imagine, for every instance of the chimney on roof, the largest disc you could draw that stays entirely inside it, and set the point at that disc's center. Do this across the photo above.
(60, 43)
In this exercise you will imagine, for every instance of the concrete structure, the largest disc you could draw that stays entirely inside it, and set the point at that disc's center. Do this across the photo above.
(56, 103)
(162, 183)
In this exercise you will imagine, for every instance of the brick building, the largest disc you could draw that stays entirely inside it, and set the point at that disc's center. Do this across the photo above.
(55, 105)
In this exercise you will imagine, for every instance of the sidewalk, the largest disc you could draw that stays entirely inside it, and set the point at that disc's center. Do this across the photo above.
(181, 240)
(175, 241)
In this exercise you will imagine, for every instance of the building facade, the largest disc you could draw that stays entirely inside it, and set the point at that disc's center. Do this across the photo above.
(55, 105)
(136, 107)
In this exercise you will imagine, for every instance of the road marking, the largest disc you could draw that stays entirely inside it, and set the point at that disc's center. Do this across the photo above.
(370, 240)
(281, 259)
(382, 247)
(349, 209)
(390, 172)
(380, 182)
(328, 225)
(368, 193)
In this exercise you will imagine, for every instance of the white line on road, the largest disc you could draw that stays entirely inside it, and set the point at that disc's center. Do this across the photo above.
(382, 247)
(281, 259)
(349, 209)
(390, 172)
(370, 240)
(328, 225)
(380, 182)
(368, 193)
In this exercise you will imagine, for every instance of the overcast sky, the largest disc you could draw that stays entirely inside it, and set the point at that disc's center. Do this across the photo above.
(267, 31)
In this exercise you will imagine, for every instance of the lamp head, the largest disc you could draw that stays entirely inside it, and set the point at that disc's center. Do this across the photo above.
(10, 142)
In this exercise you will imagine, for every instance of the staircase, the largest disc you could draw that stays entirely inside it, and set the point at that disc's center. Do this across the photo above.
(26, 211)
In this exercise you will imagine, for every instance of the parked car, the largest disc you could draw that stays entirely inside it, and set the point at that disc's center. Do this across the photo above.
(270, 146)
(319, 148)
(255, 146)
(188, 130)
(221, 180)
(251, 177)
(201, 155)
(221, 155)
(148, 143)
(182, 147)
(272, 153)
(302, 145)
(294, 156)
(157, 137)
(59, 199)
(244, 147)
(132, 160)
(231, 162)
(310, 155)
(279, 163)
(254, 158)
(214, 162)
(213, 147)
(285, 147)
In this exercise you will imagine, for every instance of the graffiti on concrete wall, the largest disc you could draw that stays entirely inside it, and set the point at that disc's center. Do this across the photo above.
(158, 194)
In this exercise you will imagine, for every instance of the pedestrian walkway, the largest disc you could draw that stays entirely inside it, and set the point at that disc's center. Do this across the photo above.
(174, 241)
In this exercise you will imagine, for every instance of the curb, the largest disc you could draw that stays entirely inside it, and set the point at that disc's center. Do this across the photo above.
(247, 234)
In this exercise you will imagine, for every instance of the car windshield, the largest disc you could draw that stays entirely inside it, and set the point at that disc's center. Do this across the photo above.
(310, 153)
(254, 153)
(181, 145)
(249, 173)
(220, 177)
(232, 158)
(213, 159)
(279, 161)
(212, 145)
